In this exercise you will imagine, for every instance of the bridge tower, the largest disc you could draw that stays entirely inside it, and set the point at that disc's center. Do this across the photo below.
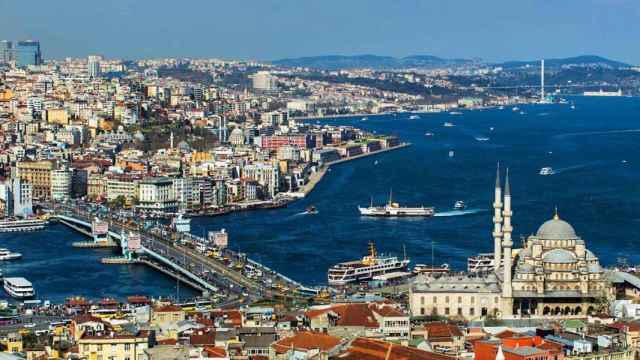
(100, 230)
(130, 244)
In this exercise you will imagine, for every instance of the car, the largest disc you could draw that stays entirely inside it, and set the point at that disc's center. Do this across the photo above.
(29, 325)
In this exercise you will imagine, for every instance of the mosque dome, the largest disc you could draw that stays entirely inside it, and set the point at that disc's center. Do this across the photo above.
(559, 256)
(556, 229)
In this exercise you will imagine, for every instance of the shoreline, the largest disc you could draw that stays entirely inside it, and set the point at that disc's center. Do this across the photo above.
(316, 177)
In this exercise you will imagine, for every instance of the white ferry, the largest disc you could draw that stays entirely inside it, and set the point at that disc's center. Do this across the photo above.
(181, 224)
(22, 225)
(546, 171)
(18, 287)
(481, 263)
(365, 269)
(394, 209)
(5, 254)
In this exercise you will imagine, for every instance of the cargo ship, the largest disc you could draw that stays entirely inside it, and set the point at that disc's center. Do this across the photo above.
(392, 209)
(361, 270)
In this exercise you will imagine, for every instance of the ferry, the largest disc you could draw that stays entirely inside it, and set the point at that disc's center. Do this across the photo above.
(481, 263)
(181, 224)
(428, 269)
(22, 225)
(546, 171)
(361, 270)
(448, 124)
(5, 254)
(459, 205)
(18, 287)
(394, 209)
(414, 117)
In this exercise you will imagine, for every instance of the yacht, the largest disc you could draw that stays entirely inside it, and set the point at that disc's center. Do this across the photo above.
(459, 205)
(393, 209)
(22, 225)
(18, 287)
(361, 270)
(181, 224)
(428, 134)
(414, 117)
(5, 254)
(546, 171)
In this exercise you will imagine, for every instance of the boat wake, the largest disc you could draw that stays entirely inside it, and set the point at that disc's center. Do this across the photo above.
(588, 133)
(574, 167)
(459, 212)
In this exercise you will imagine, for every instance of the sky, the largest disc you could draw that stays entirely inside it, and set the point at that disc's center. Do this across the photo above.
(493, 30)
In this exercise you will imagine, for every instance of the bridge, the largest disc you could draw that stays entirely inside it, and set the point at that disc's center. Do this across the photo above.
(203, 272)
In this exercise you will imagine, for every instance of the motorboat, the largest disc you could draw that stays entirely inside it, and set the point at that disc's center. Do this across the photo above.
(546, 171)
(459, 205)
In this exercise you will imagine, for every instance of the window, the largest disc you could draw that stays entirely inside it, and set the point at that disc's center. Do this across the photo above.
(446, 299)
(446, 311)
(435, 299)
(127, 347)
(459, 299)
(473, 299)
(422, 300)
(472, 311)
(460, 311)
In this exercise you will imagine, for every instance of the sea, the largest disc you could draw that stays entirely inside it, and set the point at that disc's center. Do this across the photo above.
(594, 149)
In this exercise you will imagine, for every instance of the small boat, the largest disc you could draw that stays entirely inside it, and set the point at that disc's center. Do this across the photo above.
(573, 107)
(624, 161)
(448, 124)
(311, 210)
(414, 117)
(364, 118)
(5, 254)
(428, 134)
(455, 113)
(500, 107)
(491, 128)
(546, 171)
(375, 162)
(459, 205)
(482, 138)
(428, 269)
(515, 108)
(522, 112)
(451, 153)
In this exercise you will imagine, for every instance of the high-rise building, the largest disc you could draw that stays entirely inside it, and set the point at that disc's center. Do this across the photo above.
(28, 53)
(6, 50)
(61, 184)
(93, 66)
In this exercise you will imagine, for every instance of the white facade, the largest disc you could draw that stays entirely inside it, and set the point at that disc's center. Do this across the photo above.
(266, 175)
(264, 81)
(93, 66)
(157, 194)
(61, 182)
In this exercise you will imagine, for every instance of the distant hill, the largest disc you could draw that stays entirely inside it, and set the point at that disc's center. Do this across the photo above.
(335, 62)
(576, 60)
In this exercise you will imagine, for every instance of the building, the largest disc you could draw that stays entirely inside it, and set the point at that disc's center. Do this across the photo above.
(6, 51)
(553, 274)
(266, 175)
(28, 53)
(121, 187)
(157, 194)
(61, 184)
(38, 174)
(103, 345)
(93, 66)
(264, 81)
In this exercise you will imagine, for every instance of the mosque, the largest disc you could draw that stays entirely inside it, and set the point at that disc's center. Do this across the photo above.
(553, 274)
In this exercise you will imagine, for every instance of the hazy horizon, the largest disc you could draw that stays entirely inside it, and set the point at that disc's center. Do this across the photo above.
(265, 30)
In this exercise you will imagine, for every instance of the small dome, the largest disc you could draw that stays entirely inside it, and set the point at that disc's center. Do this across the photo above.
(590, 256)
(556, 229)
(559, 256)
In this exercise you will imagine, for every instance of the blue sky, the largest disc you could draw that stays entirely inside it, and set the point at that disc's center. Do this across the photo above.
(271, 29)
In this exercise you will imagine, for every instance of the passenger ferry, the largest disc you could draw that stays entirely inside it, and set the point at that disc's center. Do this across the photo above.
(181, 224)
(546, 171)
(365, 269)
(22, 225)
(5, 254)
(393, 209)
(18, 287)
(481, 263)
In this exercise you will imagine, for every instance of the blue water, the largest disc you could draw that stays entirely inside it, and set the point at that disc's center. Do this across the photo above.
(58, 271)
(593, 190)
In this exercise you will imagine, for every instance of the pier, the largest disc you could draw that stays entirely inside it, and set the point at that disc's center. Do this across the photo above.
(179, 261)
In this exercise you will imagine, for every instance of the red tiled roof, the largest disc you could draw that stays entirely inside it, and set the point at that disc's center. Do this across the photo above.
(306, 340)
(215, 351)
(85, 318)
(348, 315)
(168, 308)
(370, 349)
(203, 339)
(442, 330)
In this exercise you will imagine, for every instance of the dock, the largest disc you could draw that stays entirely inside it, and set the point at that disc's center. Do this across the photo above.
(94, 245)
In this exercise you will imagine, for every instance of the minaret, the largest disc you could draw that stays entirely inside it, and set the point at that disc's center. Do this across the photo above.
(171, 140)
(497, 221)
(507, 244)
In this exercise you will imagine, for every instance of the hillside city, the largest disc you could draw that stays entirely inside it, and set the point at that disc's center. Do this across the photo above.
(124, 151)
